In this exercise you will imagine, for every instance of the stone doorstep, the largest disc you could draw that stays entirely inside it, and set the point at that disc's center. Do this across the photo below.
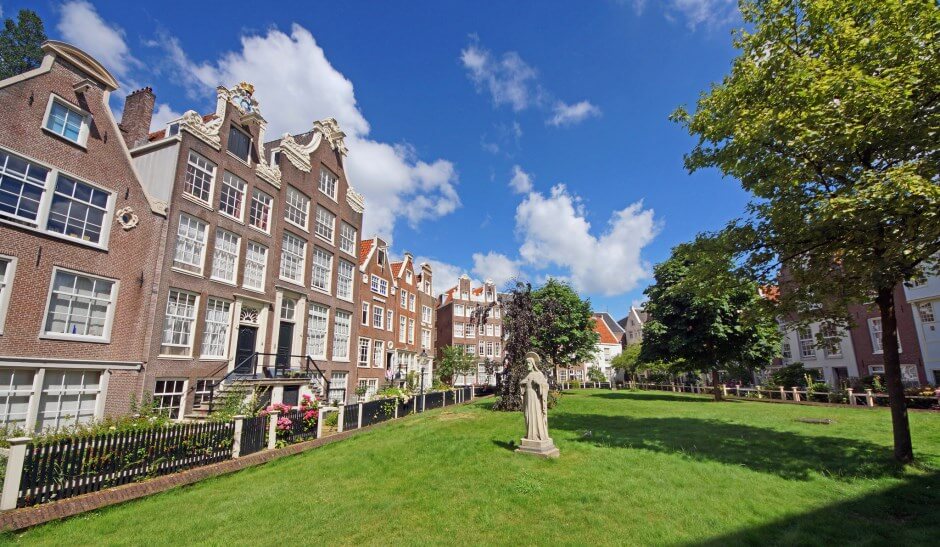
(27, 517)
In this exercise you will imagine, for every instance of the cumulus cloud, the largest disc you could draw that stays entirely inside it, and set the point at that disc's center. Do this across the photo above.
(163, 114)
(296, 84)
(521, 182)
(445, 275)
(709, 13)
(555, 232)
(570, 114)
(495, 266)
(80, 24)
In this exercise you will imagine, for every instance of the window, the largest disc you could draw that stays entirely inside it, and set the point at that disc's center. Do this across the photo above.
(497, 330)
(203, 392)
(215, 338)
(404, 298)
(426, 315)
(288, 307)
(411, 331)
(482, 329)
(924, 309)
(293, 253)
(168, 397)
(68, 397)
(365, 313)
(495, 313)
(458, 310)
(390, 323)
(337, 387)
(378, 317)
(322, 269)
(80, 306)
(191, 238)
(259, 215)
(200, 173)
(482, 349)
(225, 256)
(256, 260)
(16, 389)
(371, 385)
(489, 330)
(489, 349)
(787, 353)
(232, 196)
(381, 257)
(807, 350)
(425, 338)
(874, 328)
(78, 210)
(379, 285)
(344, 280)
(297, 208)
(347, 238)
(239, 143)
(66, 121)
(178, 323)
(342, 321)
(326, 222)
(7, 269)
(402, 328)
(378, 354)
(471, 349)
(409, 277)
(22, 184)
(470, 332)
(317, 322)
(411, 302)
(497, 348)
(833, 348)
(363, 358)
(458, 330)
(328, 183)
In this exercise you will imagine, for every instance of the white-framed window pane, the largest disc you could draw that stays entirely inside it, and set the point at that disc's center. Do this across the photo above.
(425, 339)
(65, 122)
(327, 182)
(256, 260)
(200, 173)
(239, 143)
(178, 323)
(190, 244)
(338, 386)
(68, 397)
(342, 322)
(288, 306)
(390, 319)
(218, 318)
(363, 356)
(293, 251)
(458, 330)
(378, 317)
(411, 331)
(426, 314)
(225, 256)
(232, 196)
(79, 305)
(168, 397)
(365, 313)
(297, 207)
(347, 238)
(344, 280)
(322, 269)
(402, 328)
(16, 388)
(22, 184)
(378, 354)
(807, 347)
(874, 327)
(259, 215)
(317, 322)
(78, 210)
(326, 223)
(926, 312)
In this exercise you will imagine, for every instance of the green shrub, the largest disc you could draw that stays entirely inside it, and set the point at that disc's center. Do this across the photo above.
(576, 384)
(331, 419)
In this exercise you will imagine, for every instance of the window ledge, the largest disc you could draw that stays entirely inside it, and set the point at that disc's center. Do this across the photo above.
(175, 357)
(82, 146)
(292, 282)
(75, 338)
(223, 214)
(187, 272)
(193, 199)
(259, 230)
(245, 162)
(223, 282)
(305, 229)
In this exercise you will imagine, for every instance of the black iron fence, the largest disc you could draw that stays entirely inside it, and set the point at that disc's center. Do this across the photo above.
(350, 417)
(254, 433)
(297, 426)
(378, 411)
(432, 400)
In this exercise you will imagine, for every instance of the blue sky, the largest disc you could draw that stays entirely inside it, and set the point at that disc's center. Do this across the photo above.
(496, 139)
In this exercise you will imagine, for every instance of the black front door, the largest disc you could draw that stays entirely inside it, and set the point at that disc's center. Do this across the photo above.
(245, 349)
(284, 338)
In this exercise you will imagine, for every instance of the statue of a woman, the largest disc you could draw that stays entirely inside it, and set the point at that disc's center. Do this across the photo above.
(535, 405)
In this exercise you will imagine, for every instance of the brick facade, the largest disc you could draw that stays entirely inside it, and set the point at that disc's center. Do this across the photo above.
(472, 317)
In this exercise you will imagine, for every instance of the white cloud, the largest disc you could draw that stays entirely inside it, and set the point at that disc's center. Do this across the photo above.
(161, 115)
(710, 13)
(556, 232)
(570, 114)
(495, 266)
(444, 275)
(509, 79)
(296, 84)
(521, 181)
(81, 25)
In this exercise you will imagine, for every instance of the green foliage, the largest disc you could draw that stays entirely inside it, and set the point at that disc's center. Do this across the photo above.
(19, 44)
(331, 419)
(564, 333)
(627, 360)
(576, 384)
(553, 397)
(595, 374)
(790, 376)
(454, 361)
(519, 327)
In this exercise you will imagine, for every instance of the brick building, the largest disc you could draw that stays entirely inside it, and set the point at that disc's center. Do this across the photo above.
(79, 239)
(472, 317)
(259, 257)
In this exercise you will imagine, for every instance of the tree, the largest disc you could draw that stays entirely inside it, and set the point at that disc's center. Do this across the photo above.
(454, 361)
(627, 360)
(705, 316)
(565, 334)
(20, 44)
(829, 117)
(595, 374)
(519, 326)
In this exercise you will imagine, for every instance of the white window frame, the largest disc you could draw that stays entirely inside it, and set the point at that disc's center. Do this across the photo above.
(458, 330)
(266, 204)
(287, 256)
(316, 266)
(876, 336)
(216, 251)
(298, 206)
(190, 164)
(60, 390)
(347, 242)
(402, 329)
(109, 314)
(426, 338)
(225, 329)
(251, 143)
(249, 262)
(378, 317)
(317, 315)
(378, 353)
(379, 285)
(158, 398)
(367, 344)
(238, 187)
(426, 314)
(6, 287)
(925, 311)
(341, 320)
(329, 180)
(411, 331)
(182, 239)
(390, 319)
(345, 283)
(192, 325)
(806, 343)
(366, 317)
(321, 233)
(74, 109)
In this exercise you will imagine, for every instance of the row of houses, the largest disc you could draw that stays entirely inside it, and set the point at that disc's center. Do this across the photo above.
(177, 262)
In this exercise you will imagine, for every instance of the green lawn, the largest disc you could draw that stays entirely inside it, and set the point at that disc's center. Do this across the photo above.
(635, 467)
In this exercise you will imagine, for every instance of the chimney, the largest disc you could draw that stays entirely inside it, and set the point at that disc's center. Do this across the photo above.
(138, 112)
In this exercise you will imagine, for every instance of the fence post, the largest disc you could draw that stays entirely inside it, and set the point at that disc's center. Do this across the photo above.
(737, 390)
(444, 399)
(424, 402)
(724, 391)
(237, 436)
(414, 405)
(851, 397)
(359, 421)
(340, 418)
(320, 415)
(783, 394)
(796, 395)
(272, 430)
(759, 394)
(15, 461)
(472, 394)
(869, 398)
(396, 407)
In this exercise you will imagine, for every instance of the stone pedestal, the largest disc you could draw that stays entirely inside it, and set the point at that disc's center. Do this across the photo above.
(544, 449)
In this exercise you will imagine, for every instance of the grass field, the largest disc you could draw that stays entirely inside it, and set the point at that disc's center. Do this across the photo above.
(635, 468)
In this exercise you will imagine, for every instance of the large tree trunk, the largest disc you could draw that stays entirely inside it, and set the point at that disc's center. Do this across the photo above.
(903, 450)
(715, 385)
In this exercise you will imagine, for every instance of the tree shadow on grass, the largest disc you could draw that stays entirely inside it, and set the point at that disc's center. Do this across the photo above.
(902, 515)
(703, 398)
(789, 455)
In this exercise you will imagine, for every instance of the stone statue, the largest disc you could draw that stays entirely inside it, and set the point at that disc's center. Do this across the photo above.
(535, 405)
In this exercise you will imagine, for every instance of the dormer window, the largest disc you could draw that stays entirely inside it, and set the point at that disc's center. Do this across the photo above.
(173, 130)
(239, 143)
(67, 121)
(381, 257)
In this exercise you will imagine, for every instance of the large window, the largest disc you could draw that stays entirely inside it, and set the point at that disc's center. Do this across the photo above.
(458, 330)
(293, 252)
(347, 238)
(7, 269)
(178, 324)
(326, 223)
(378, 354)
(425, 338)
(378, 317)
(78, 210)
(67, 121)
(371, 385)
(338, 387)
(390, 319)
(874, 328)
(215, 338)
(327, 182)
(403, 297)
(259, 215)
(16, 388)
(232, 196)
(168, 397)
(363, 357)
(342, 322)
(80, 306)
(344, 280)
(297, 208)
(807, 347)
(225, 256)
(833, 346)
(68, 397)
(322, 269)
(317, 322)
(256, 260)
(239, 143)
(200, 173)
(402, 328)
(411, 331)
(924, 309)
(191, 238)
(22, 184)
(379, 285)
(426, 315)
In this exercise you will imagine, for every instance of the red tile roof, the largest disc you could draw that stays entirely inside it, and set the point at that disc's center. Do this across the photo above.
(601, 328)
(365, 247)
(478, 290)
(396, 267)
